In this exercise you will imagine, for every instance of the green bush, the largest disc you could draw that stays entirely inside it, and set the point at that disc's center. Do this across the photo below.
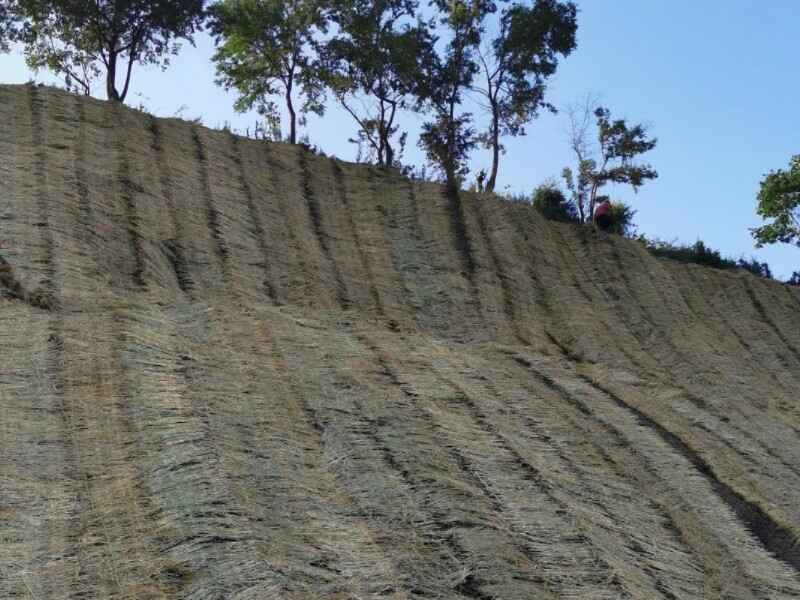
(794, 279)
(553, 204)
(701, 254)
(622, 220)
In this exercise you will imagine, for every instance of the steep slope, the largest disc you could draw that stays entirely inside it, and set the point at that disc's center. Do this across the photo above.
(239, 370)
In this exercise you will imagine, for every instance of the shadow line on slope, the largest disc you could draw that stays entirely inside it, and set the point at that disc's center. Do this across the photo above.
(212, 212)
(767, 320)
(338, 176)
(258, 225)
(127, 189)
(315, 215)
(55, 349)
(40, 299)
(499, 270)
(173, 248)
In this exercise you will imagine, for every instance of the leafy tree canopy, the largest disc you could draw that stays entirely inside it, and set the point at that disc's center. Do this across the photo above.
(78, 40)
(779, 200)
(8, 21)
(449, 137)
(266, 48)
(522, 56)
(376, 58)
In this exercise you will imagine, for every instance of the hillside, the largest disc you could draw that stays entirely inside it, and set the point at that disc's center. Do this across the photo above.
(234, 369)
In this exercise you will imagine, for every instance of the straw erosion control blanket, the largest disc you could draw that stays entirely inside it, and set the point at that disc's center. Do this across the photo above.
(234, 369)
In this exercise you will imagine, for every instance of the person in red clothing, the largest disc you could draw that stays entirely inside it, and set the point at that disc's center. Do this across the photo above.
(602, 215)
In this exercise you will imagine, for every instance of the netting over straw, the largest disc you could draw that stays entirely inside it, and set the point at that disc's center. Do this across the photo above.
(233, 369)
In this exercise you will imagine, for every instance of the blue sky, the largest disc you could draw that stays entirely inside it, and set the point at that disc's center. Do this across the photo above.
(717, 81)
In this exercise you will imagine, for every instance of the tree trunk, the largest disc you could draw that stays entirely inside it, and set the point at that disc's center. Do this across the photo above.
(111, 77)
(490, 185)
(389, 154)
(292, 116)
(131, 60)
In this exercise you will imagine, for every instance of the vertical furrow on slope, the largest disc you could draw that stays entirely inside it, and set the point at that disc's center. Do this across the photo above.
(187, 244)
(420, 415)
(665, 475)
(301, 270)
(37, 495)
(641, 431)
(778, 539)
(86, 218)
(175, 247)
(323, 239)
(586, 312)
(258, 230)
(93, 405)
(213, 218)
(547, 426)
(458, 300)
(525, 503)
(127, 192)
(463, 244)
(67, 535)
(756, 405)
(685, 367)
(413, 257)
(460, 237)
(765, 310)
(208, 535)
(424, 561)
(243, 237)
(41, 196)
(346, 207)
(17, 231)
(372, 191)
(497, 271)
(398, 472)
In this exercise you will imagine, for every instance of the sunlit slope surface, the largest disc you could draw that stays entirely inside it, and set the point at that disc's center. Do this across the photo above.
(233, 369)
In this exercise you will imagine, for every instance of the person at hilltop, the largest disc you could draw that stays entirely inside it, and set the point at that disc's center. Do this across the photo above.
(602, 215)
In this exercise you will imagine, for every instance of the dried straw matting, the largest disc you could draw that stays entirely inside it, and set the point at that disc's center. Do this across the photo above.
(238, 370)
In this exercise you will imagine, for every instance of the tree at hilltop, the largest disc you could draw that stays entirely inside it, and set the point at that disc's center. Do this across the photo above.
(448, 136)
(779, 200)
(374, 63)
(267, 49)
(609, 158)
(81, 41)
(516, 66)
(8, 21)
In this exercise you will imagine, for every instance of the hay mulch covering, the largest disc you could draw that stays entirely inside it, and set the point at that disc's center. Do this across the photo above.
(239, 370)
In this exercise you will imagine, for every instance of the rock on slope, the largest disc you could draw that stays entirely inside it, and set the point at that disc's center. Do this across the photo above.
(238, 370)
